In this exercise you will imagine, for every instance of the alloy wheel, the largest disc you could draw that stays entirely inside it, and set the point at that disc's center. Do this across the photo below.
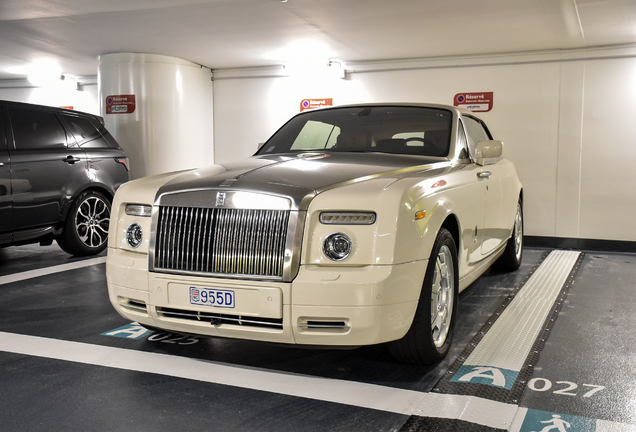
(92, 221)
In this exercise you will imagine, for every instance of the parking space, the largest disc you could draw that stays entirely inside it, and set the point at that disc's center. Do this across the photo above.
(585, 374)
(68, 361)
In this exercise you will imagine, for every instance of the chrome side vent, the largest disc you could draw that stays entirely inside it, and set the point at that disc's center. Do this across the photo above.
(339, 326)
(221, 241)
(137, 306)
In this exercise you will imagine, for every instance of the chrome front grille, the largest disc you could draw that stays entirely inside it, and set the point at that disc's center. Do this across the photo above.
(221, 241)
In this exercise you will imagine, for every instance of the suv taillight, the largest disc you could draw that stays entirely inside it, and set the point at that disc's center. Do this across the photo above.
(123, 161)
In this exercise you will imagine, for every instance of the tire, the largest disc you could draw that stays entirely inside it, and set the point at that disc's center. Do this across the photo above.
(86, 227)
(429, 338)
(511, 258)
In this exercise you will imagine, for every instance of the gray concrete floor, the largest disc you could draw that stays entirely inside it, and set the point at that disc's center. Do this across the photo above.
(591, 346)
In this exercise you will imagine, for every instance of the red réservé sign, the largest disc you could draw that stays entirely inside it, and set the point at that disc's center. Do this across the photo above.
(306, 104)
(120, 104)
(475, 102)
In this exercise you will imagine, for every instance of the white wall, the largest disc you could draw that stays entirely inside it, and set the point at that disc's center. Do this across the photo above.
(82, 100)
(566, 124)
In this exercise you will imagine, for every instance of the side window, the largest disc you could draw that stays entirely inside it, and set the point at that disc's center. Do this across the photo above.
(475, 133)
(34, 129)
(463, 143)
(84, 131)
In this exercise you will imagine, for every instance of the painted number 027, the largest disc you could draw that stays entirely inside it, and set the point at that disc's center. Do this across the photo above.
(542, 384)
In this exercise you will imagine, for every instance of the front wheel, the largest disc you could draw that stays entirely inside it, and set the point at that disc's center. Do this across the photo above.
(86, 227)
(510, 260)
(431, 333)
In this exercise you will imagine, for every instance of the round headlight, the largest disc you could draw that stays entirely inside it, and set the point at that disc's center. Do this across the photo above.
(337, 246)
(134, 235)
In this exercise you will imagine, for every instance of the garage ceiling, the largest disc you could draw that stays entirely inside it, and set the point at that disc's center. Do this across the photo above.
(245, 33)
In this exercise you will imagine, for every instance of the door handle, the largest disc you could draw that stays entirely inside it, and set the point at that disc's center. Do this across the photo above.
(484, 174)
(71, 159)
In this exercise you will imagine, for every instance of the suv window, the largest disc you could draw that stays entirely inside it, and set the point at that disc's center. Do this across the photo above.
(34, 129)
(84, 131)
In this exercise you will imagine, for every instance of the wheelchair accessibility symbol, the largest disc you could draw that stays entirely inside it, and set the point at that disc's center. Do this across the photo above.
(541, 421)
(557, 424)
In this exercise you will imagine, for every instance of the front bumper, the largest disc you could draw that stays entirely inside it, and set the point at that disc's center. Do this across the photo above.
(339, 306)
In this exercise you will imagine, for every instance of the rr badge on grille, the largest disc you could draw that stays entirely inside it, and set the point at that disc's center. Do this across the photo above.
(220, 199)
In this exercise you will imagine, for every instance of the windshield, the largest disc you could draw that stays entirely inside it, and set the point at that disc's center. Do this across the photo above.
(385, 129)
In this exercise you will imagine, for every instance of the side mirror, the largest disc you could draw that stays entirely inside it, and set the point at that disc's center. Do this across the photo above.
(488, 152)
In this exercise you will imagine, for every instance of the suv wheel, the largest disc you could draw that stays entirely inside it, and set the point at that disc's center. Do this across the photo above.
(86, 227)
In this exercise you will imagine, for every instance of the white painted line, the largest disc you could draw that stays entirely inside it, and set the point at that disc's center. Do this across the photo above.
(517, 423)
(50, 270)
(406, 402)
(471, 409)
(608, 426)
(508, 342)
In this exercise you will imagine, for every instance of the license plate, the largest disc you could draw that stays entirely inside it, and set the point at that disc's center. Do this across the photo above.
(212, 297)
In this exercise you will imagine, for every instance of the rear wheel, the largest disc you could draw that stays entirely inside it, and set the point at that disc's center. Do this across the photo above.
(431, 333)
(511, 258)
(86, 227)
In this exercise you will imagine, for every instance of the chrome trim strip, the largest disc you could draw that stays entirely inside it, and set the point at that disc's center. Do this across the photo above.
(212, 316)
(293, 245)
(220, 275)
(324, 326)
(154, 221)
(244, 320)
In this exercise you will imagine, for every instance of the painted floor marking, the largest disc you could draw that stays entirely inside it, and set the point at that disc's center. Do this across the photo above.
(407, 402)
(529, 420)
(510, 339)
(50, 270)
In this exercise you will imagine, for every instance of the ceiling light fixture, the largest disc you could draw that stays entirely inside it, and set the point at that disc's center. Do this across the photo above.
(69, 83)
(44, 73)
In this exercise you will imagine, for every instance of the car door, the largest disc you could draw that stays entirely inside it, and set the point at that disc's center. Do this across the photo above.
(490, 176)
(473, 196)
(5, 188)
(47, 167)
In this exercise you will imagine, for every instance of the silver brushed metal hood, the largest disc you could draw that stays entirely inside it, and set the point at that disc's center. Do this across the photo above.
(297, 177)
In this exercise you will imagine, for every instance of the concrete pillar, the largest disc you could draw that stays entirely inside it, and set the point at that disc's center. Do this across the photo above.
(160, 110)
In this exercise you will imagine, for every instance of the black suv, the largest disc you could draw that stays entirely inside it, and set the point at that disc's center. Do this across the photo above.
(59, 170)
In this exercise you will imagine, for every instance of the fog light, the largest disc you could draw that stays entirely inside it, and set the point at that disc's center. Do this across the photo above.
(337, 246)
(134, 235)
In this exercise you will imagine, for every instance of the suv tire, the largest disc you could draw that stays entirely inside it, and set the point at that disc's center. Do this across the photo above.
(86, 227)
